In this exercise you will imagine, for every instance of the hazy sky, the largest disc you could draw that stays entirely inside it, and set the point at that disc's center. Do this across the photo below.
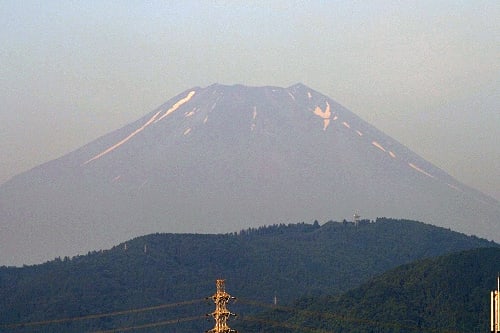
(425, 72)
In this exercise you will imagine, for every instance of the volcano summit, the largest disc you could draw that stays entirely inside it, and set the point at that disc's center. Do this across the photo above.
(224, 158)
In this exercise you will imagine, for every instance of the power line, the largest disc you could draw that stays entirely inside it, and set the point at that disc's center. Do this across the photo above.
(340, 318)
(160, 323)
(287, 325)
(100, 315)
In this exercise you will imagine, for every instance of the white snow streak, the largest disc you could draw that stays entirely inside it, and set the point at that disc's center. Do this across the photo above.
(420, 170)
(309, 95)
(392, 154)
(326, 122)
(454, 187)
(130, 136)
(291, 95)
(177, 105)
(376, 144)
(140, 129)
(346, 124)
(359, 133)
(205, 120)
(187, 131)
(335, 118)
(254, 115)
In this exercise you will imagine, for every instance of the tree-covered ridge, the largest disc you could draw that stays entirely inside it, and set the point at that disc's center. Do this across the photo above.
(289, 261)
(445, 294)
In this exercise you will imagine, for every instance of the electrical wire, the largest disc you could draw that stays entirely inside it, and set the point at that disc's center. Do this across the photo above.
(100, 315)
(328, 315)
(151, 325)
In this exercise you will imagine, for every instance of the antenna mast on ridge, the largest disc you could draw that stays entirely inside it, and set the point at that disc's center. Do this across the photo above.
(221, 313)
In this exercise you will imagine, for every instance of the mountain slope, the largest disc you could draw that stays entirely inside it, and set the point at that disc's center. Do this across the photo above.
(446, 294)
(223, 158)
(288, 261)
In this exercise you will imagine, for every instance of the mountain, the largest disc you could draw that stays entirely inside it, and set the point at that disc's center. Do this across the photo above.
(224, 158)
(286, 261)
(446, 294)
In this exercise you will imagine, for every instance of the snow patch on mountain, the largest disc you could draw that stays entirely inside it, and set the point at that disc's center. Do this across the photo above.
(379, 146)
(177, 105)
(420, 170)
(130, 136)
(325, 115)
(140, 129)
(254, 116)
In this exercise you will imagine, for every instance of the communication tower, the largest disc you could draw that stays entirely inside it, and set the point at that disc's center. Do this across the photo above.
(221, 314)
(356, 219)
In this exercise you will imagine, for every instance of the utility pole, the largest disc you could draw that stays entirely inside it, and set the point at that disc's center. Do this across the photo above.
(495, 308)
(221, 314)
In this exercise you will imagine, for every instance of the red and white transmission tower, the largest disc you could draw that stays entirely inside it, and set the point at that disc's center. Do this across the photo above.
(221, 314)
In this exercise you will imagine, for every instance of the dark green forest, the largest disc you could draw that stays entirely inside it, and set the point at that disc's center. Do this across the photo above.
(164, 278)
(445, 294)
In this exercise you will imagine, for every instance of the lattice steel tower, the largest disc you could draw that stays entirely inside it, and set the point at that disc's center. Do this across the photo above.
(221, 314)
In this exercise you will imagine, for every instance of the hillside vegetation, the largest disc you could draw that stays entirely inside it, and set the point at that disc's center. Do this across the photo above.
(286, 261)
(447, 294)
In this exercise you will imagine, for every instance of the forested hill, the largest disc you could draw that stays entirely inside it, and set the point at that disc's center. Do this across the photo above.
(446, 294)
(289, 261)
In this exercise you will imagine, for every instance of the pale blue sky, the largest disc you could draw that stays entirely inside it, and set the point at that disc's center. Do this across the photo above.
(425, 72)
